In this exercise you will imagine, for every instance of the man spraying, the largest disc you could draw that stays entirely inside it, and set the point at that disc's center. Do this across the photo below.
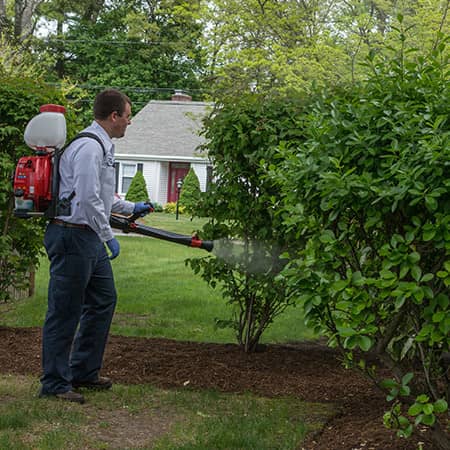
(81, 291)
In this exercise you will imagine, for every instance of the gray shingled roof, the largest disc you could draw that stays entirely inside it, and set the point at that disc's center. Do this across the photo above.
(165, 128)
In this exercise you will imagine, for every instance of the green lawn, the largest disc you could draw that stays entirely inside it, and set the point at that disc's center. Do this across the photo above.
(143, 417)
(158, 295)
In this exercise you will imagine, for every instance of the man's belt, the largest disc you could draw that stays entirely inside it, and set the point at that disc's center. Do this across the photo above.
(61, 223)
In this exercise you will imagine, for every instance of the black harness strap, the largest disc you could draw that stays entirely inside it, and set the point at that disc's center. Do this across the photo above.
(61, 207)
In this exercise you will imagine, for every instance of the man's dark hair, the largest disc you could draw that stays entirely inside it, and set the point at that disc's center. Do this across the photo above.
(108, 101)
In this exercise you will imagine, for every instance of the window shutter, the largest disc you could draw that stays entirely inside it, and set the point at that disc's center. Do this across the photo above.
(140, 167)
(116, 167)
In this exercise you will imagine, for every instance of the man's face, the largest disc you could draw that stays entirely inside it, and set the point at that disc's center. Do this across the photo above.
(120, 122)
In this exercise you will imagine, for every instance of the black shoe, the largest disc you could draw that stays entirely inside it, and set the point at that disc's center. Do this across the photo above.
(69, 396)
(100, 384)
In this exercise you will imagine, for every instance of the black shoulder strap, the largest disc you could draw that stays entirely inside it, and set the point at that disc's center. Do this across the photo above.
(61, 207)
(88, 135)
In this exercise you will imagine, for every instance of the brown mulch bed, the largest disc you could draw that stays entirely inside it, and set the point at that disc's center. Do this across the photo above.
(308, 371)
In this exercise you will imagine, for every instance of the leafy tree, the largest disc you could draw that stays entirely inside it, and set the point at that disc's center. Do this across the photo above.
(20, 240)
(137, 192)
(270, 45)
(22, 92)
(250, 235)
(190, 192)
(367, 194)
(145, 48)
(291, 44)
(364, 26)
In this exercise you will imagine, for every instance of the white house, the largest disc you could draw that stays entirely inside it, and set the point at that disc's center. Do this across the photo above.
(163, 142)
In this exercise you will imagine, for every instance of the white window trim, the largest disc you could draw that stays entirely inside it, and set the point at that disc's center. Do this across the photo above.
(121, 175)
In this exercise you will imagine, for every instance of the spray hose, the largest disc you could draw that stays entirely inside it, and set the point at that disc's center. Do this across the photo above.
(128, 224)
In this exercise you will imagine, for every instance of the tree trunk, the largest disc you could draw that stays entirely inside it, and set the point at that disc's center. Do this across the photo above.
(92, 11)
(59, 50)
(24, 22)
(3, 18)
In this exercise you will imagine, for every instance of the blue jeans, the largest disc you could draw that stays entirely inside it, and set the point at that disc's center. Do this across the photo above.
(81, 302)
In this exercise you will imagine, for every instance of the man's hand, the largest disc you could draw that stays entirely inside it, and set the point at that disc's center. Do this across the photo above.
(114, 247)
(143, 208)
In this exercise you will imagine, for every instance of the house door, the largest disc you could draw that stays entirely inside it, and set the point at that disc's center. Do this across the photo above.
(177, 171)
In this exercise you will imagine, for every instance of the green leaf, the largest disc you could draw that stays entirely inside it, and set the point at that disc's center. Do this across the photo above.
(409, 237)
(403, 421)
(405, 391)
(416, 221)
(346, 332)
(416, 272)
(351, 342)
(399, 302)
(427, 277)
(388, 383)
(327, 236)
(365, 343)
(357, 278)
(428, 420)
(431, 203)
(404, 269)
(437, 317)
(414, 257)
(407, 378)
(406, 432)
(428, 235)
(415, 409)
(440, 406)
(418, 294)
(339, 285)
(423, 398)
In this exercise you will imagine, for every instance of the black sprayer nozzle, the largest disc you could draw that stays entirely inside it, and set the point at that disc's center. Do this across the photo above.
(205, 245)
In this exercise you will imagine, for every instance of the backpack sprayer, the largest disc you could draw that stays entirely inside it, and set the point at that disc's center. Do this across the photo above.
(36, 179)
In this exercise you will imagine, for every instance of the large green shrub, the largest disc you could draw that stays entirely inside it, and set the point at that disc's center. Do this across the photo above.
(20, 239)
(368, 197)
(137, 192)
(190, 192)
(240, 134)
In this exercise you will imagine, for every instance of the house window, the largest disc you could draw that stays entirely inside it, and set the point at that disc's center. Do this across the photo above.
(128, 172)
(125, 173)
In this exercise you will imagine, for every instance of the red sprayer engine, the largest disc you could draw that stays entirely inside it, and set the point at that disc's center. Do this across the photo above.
(36, 177)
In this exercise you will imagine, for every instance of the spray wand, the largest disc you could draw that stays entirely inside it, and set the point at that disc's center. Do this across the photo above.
(128, 225)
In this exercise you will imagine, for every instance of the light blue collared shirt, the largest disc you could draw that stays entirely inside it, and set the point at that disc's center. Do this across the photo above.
(85, 170)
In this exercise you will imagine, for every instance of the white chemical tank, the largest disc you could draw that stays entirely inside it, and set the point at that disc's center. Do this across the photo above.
(47, 130)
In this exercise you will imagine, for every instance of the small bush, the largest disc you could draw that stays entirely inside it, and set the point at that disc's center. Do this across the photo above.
(190, 192)
(137, 192)
(171, 208)
(157, 207)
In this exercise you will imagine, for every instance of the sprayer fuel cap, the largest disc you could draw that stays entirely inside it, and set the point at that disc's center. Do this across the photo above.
(52, 108)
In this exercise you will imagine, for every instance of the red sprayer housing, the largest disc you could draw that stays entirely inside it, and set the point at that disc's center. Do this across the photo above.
(32, 182)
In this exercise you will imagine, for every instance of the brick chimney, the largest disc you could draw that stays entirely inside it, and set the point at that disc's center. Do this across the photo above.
(180, 96)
